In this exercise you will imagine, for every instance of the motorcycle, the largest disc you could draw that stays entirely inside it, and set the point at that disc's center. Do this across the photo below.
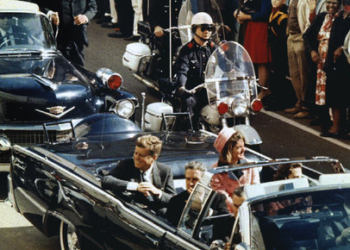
(146, 58)
(229, 80)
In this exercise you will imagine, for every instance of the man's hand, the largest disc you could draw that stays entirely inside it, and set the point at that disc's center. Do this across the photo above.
(344, 238)
(337, 54)
(312, 5)
(147, 188)
(55, 18)
(80, 19)
(315, 57)
(158, 31)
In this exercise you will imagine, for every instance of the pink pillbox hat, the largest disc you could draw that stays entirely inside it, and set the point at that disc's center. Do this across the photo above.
(224, 135)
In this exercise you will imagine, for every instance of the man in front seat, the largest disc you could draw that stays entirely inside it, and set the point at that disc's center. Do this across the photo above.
(151, 181)
(194, 172)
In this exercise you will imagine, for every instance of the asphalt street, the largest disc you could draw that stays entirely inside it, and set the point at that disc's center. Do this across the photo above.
(282, 137)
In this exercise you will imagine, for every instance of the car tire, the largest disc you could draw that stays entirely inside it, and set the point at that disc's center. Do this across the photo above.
(69, 239)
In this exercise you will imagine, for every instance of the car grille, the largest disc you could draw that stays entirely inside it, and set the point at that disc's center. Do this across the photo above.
(26, 138)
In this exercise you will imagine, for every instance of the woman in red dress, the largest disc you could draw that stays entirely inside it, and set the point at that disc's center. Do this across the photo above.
(255, 39)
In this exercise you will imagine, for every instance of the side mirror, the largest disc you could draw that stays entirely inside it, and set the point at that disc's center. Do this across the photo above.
(5, 144)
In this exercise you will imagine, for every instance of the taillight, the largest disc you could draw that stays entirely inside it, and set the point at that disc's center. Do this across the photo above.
(115, 81)
(256, 105)
(222, 108)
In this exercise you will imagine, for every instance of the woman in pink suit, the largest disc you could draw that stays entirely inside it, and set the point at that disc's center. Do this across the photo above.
(230, 145)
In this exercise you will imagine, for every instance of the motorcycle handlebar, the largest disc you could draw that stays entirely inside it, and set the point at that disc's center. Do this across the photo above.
(194, 90)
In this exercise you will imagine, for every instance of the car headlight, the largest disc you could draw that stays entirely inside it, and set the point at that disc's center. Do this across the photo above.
(239, 105)
(124, 108)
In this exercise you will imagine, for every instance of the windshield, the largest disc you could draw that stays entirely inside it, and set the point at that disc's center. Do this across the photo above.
(25, 31)
(308, 220)
(230, 72)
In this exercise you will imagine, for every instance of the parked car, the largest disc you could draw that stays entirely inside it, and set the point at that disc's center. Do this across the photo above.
(57, 187)
(37, 84)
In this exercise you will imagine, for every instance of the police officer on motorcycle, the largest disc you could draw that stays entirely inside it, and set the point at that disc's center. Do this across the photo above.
(191, 63)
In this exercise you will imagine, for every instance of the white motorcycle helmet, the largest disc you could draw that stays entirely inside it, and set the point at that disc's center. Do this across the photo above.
(203, 20)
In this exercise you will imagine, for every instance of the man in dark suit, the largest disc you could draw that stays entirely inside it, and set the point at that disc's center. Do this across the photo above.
(335, 234)
(194, 172)
(151, 181)
(74, 16)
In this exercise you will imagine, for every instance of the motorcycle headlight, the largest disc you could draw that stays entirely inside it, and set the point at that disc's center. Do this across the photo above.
(124, 108)
(239, 105)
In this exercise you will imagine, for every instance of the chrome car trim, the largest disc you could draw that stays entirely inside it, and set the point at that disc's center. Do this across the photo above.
(126, 214)
(33, 127)
(56, 116)
(45, 82)
(31, 199)
(4, 167)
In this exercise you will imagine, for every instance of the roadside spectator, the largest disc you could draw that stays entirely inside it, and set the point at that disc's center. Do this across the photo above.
(138, 16)
(151, 181)
(230, 145)
(194, 172)
(125, 15)
(298, 22)
(324, 40)
(280, 86)
(158, 18)
(74, 17)
(255, 39)
(113, 21)
(227, 7)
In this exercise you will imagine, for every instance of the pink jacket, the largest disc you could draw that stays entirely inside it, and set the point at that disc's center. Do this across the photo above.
(225, 185)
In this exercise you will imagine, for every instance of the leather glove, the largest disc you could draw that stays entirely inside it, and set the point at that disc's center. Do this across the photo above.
(182, 94)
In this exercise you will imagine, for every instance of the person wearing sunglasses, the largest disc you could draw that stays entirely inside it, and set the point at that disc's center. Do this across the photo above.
(191, 64)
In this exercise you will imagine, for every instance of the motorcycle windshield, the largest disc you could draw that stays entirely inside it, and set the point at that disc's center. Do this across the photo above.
(229, 74)
(190, 8)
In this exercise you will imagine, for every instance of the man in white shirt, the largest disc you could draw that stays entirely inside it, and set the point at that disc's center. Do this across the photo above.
(151, 181)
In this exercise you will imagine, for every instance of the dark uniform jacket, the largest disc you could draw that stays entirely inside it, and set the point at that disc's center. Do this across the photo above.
(178, 203)
(119, 177)
(191, 63)
(159, 13)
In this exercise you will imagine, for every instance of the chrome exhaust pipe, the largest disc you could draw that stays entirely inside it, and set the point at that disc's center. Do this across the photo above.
(146, 82)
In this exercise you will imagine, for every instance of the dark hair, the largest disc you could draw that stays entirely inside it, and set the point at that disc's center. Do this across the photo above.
(225, 156)
(284, 170)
